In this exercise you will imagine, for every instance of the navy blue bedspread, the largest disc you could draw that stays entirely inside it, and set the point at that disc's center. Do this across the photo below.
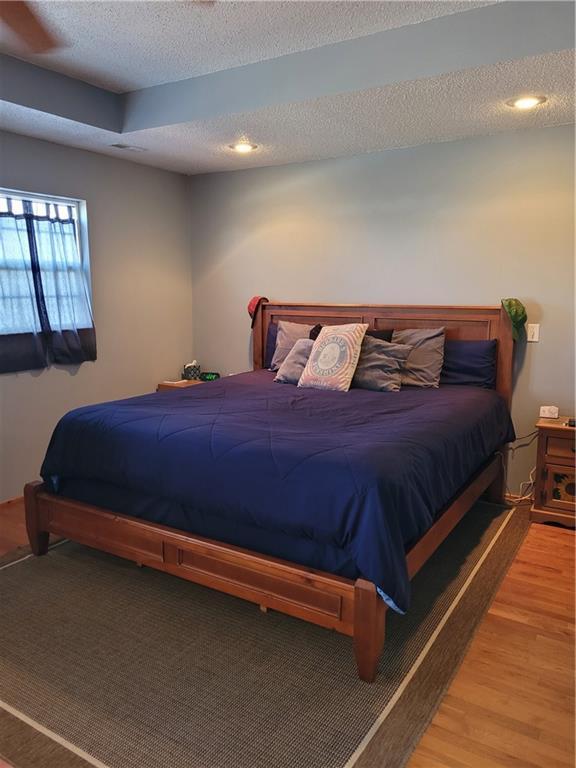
(343, 482)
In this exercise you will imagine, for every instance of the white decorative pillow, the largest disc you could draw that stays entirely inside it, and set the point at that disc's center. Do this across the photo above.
(334, 357)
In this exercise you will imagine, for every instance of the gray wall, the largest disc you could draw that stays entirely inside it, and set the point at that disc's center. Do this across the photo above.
(462, 222)
(141, 283)
(466, 222)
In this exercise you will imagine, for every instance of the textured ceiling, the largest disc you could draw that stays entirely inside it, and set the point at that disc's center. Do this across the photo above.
(395, 74)
(465, 103)
(124, 46)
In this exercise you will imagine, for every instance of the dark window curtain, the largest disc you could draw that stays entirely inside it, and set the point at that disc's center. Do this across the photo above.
(45, 313)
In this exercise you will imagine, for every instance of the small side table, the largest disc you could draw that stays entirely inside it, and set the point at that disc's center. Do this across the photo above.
(181, 384)
(555, 490)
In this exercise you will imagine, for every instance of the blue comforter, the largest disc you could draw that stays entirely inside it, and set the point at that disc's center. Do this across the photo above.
(345, 482)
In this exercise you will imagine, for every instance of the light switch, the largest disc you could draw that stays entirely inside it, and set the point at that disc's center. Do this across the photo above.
(533, 332)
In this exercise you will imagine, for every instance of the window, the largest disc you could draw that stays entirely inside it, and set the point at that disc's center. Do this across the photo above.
(45, 311)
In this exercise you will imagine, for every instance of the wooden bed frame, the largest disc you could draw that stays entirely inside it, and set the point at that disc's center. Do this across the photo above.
(350, 607)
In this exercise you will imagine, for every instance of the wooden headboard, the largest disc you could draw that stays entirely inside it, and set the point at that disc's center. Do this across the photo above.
(460, 323)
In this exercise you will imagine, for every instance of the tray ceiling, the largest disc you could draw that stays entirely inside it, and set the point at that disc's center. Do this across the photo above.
(417, 80)
(123, 46)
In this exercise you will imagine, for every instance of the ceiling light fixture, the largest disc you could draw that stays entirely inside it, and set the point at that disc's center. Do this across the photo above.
(526, 102)
(243, 147)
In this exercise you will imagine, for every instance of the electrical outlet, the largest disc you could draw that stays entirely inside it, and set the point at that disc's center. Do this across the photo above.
(533, 332)
(548, 412)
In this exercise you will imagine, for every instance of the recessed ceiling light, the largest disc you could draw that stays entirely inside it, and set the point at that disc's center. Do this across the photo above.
(243, 147)
(526, 102)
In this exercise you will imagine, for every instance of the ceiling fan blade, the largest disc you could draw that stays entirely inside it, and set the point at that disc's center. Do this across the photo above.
(24, 22)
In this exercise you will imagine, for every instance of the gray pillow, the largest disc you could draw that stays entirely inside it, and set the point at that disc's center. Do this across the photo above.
(288, 335)
(295, 362)
(424, 363)
(380, 365)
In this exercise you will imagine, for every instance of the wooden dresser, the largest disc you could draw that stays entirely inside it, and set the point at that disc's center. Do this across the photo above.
(554, 492)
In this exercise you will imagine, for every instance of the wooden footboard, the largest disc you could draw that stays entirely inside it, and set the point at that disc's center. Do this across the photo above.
(351, 608)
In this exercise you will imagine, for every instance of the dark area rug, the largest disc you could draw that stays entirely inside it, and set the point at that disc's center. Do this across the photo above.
(138, 669)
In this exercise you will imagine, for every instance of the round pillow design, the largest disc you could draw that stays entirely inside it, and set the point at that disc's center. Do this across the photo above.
(331, 356)
(334, 357)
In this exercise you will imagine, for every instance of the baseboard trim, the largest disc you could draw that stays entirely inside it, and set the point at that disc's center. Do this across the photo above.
(11, 502)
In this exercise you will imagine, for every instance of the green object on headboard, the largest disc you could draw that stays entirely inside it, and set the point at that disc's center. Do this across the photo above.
(517, 314)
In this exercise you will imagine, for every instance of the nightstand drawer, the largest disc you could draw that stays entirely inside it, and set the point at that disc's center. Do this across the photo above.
(563, 447)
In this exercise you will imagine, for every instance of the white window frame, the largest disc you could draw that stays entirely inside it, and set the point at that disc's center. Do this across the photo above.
(81, 225)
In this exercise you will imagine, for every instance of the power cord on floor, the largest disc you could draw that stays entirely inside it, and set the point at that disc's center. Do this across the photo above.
(527, 493)
(526, 487)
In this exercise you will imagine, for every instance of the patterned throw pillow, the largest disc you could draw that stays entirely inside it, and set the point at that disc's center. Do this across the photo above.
(374, 332)
(288, 334)
(295, 362)
(334, 357)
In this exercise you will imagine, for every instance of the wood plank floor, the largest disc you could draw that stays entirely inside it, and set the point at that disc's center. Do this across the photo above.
(512, 701)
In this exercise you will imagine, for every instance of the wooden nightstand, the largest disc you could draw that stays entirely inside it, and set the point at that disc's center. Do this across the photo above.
(554, 492)
(181, 384)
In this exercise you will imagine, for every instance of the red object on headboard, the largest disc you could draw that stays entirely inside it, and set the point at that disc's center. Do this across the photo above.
(253, 305)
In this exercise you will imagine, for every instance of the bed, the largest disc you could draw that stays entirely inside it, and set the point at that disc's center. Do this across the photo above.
(319, 504)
